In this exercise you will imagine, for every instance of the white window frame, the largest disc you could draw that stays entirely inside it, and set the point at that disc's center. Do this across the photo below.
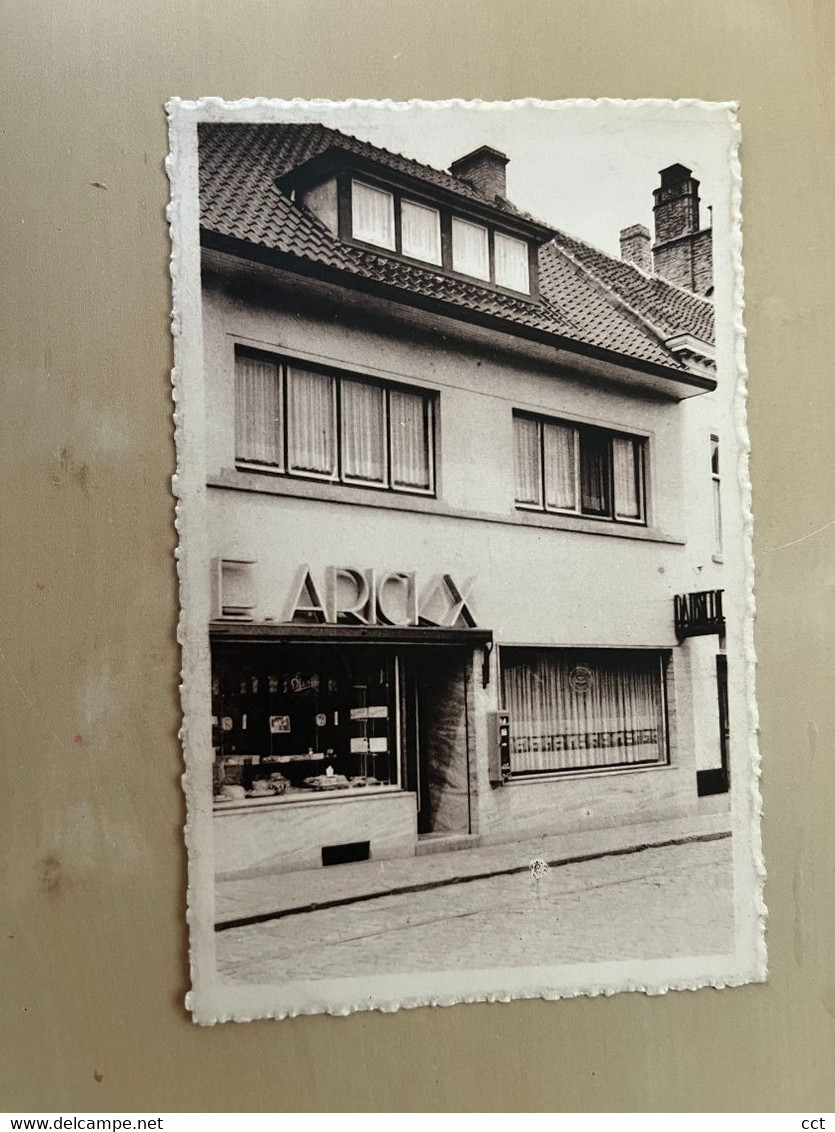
(406, 203)
(301, 473)
(428, 398)
(525, 246)
(642, 443)
(458, 220)
(365, 239)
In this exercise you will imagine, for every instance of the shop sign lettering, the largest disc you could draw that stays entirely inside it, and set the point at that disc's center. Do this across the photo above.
(369, 597)
(584, 740)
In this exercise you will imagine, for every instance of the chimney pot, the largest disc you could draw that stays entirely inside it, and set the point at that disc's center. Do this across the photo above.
(634, 247)
(484, 169)
(676, 204)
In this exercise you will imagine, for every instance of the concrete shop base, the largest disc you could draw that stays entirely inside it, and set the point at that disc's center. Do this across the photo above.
(287, 836)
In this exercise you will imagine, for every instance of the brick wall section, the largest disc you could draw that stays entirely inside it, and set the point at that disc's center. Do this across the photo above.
(485, 170)
(687, 261)
(634, 247)
(677, 216)
(703, 261)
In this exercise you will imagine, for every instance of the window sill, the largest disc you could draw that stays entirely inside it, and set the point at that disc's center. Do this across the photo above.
(323, 798)
(266, 483)
(548, 519)
(574, 775)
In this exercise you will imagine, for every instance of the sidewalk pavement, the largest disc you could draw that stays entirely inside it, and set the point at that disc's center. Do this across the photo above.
(655, 903)
(250, 900)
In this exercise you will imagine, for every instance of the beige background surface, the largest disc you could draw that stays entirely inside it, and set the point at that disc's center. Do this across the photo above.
(93, 936)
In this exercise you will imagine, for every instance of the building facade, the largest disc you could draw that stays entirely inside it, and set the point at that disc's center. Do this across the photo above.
(466, 495)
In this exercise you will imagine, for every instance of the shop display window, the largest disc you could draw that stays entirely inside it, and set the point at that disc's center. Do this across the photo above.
(583, 711)
(293, 721)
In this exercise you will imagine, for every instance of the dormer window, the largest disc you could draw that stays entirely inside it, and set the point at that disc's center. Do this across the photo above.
(421, 232)
(372, 216)
(512, 266)
(470, 249)
(390, 220)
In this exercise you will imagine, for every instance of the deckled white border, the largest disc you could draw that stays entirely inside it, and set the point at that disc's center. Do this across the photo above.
(212, 1001)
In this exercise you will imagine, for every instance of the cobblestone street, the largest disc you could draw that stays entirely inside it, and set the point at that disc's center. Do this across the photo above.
(655, 903)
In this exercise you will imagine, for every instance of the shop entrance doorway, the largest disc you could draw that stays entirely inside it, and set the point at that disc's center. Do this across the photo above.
(437, 719)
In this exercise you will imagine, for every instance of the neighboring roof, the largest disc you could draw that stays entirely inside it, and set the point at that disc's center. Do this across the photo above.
(585, 295)
(669, 308)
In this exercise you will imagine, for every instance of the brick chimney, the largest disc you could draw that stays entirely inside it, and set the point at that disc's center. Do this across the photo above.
(676, 204)
(634, 247)
(682, 252)
(484, 169)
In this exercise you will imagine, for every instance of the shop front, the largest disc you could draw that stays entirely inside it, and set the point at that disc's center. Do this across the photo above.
(337, 743)
(364, 714)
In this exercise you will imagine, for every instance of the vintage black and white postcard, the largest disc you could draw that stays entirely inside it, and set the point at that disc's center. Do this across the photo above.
(464, 554)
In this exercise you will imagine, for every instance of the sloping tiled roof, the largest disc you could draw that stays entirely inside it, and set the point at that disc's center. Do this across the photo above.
(277, 150)
(239, 165)
(671, 309)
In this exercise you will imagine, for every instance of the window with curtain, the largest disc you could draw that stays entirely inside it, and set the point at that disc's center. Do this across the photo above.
(578, 469)
(470, 249)
(311, 422)
(420, 232)
(387, 219)
(576, 710)
(512, 268)
(363, 431)
(410, 421)
(334, 426)
(528, 457)
(717, 496)
(372, 215)
(259, 417)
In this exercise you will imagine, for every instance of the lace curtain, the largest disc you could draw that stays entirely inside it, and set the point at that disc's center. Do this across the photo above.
(258, 425)
(560, 446)
(410, 421)
(626, 468)
(512, 263)
(363, 432)
(312, 422)
(372, 215)
(526, 458)
(470, 254)
(572, 711)
(421, 232)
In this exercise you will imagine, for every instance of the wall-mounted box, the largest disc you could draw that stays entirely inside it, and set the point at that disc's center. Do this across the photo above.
(498, 738)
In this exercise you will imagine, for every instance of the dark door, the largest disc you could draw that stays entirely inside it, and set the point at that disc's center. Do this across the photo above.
(437, 726)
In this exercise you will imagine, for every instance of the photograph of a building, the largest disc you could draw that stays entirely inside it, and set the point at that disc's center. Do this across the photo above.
(474, 565)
